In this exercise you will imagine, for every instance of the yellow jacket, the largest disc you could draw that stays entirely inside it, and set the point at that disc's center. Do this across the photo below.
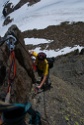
(43, 66)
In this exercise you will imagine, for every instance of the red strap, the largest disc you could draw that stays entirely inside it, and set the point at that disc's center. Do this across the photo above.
(34, 67)
(12, 67)
(9, 88)
(13, 59)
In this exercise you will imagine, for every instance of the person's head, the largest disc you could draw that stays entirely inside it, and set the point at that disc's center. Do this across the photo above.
(41, 56)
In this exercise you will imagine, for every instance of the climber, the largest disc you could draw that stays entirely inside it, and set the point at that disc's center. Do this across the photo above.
(42, 67)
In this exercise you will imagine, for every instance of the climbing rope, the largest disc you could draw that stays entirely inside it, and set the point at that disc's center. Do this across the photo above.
(12, 68)
(10, 42)
(11, 75)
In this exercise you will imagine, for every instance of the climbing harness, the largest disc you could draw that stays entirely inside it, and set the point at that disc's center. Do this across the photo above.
(10, 41)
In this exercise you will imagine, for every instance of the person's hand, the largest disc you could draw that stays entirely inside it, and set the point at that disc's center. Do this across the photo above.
(39, 87)
(31, 52)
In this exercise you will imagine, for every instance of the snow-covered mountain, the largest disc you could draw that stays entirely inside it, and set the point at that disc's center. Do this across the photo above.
(42, 14)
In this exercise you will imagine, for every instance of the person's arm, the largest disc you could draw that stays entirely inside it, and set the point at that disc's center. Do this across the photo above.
(33, 53)
(42, 82)
(45, 74)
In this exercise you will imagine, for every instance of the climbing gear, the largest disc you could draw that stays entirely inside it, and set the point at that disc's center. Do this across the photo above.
(11, 40)
(12, 69)
(41, 56)
(11, 76)
(51, 61)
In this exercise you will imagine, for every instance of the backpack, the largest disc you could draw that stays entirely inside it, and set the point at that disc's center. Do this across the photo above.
(50, 62)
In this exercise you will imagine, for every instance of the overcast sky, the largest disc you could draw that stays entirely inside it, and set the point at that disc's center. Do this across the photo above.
(41, 15)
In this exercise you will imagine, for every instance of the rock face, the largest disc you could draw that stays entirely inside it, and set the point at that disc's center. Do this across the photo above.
(70, 68)
(7, 20)
(8, 8)
(22, 83)
(63, 102)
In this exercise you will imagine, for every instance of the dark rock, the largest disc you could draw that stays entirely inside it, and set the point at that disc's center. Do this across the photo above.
(8, 8)
(24, 71)
(82, 52)
(7, 21)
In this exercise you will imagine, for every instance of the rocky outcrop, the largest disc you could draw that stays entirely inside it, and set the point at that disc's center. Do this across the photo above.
(8, 8)
(70, 68)
(63, 102)
(24, 71)
(7, 21)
